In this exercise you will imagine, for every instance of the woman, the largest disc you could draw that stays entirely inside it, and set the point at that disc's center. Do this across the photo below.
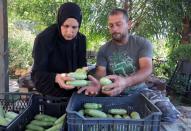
(58, 50)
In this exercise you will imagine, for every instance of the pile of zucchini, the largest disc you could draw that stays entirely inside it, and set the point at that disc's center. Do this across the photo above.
(6, 117)
(94, 110)
(80, 76)
(44, 122)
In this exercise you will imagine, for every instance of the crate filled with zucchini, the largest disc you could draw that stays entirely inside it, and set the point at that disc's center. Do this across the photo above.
(121, 113)
(12, 105)
(46, 113)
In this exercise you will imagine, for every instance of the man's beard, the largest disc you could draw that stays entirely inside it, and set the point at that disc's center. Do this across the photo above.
(118, 36)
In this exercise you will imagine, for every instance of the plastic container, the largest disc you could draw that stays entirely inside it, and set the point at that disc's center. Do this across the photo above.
(54, 106)
(15, 102)
(150, 114)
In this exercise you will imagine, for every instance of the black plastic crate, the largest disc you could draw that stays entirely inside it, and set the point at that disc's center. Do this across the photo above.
(15, 102)
(150, 114)
(54, 106)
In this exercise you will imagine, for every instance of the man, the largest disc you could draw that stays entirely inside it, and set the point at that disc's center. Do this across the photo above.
(125, 59)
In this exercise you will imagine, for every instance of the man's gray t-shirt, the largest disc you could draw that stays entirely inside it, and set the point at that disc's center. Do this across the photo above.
(124, 59)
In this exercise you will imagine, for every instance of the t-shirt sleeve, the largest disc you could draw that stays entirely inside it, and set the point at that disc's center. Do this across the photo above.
(146, 49)
(101, 57)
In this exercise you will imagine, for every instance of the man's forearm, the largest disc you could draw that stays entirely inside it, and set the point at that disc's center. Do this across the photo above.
(100, 72)
(138, 77)
(99, 75)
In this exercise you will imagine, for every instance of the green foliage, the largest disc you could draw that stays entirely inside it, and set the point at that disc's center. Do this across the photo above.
(153, 19)
(41, 11)
(19, 54)
(162, 69)
(181, 52)
(20, 48)
(181, 82)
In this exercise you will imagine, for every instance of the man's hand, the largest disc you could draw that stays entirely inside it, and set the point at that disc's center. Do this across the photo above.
(93, 89)
(117, 87)
(61, 80)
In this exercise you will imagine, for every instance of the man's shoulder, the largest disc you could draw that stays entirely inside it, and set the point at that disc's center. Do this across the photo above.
(107, 44)
(135, 39)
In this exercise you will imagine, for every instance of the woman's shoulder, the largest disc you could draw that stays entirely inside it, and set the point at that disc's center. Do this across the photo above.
(49, 32)
(81, 36)
(46, 38)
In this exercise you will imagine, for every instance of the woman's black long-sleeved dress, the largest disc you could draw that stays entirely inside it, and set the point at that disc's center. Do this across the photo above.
(53, 54)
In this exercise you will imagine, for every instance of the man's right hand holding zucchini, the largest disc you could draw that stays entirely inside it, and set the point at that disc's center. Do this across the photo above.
(96, 86)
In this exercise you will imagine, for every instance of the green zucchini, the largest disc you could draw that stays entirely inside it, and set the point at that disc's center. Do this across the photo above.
(78, 83)
(29, 130)
(77, 75)
(95, 113)
(117, 111)
(60, 119)
(81, 70)
(8, 119)
(55, 127)
(117, 116)
(34, 127)
(105, 81)
(11, 115)
(81, 112)
(44, 117)
(109, 116)
(135, 115)
(42, 123)
(92, 106)
(105, 89)
(126, 116)
(3, 121)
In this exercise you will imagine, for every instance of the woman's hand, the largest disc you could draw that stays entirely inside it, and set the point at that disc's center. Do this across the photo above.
(93, 89)
(61, 80)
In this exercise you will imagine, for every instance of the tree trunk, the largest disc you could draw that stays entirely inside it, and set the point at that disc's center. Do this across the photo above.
(4, 79)
(186, 31)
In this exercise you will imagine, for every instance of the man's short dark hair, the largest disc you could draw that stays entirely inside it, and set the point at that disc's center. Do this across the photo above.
(119, 11)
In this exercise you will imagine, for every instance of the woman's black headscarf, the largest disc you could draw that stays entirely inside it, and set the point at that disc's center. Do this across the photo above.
(69, 10)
